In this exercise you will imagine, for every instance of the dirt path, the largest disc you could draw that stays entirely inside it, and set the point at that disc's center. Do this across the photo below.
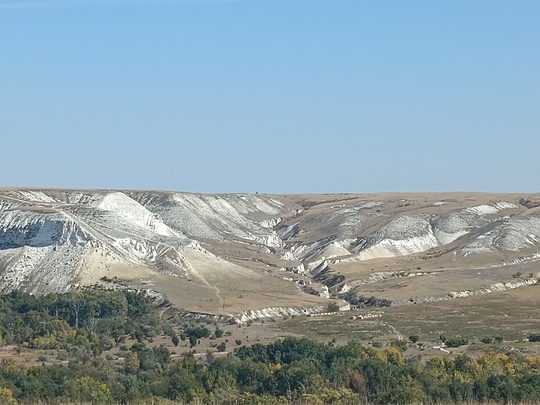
(394, 330)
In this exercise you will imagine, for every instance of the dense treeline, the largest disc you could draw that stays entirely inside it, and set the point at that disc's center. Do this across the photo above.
(286, 371)
(91, 320)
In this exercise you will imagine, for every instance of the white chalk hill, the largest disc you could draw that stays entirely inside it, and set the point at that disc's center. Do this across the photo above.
(206, 251)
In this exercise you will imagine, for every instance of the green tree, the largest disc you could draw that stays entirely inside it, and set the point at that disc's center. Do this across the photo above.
(87, 389)
(175, 340)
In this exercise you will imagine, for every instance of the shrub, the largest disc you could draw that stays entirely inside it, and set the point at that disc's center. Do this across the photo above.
(359, 300)
(456, 342)
(221, 347)
(414, 338)
(333, 307)
(175, 340)
(399, 344)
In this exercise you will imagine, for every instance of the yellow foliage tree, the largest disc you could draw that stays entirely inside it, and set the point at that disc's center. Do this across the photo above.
(394, 356)
(131, 362)
(87, 389)
(6, 396)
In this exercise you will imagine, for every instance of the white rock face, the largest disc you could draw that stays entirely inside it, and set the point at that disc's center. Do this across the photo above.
(217, 217)
(402, 236)
(270, 223)
(511, 234)
(40, 250)
(23, 228)
(406, 235)
(497, 287)
(482, 210)
(123, 206)
(276, 312)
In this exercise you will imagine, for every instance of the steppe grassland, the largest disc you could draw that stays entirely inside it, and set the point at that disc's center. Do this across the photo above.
(513, 315)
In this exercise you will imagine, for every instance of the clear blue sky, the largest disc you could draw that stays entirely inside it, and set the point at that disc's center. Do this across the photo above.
(274, 96)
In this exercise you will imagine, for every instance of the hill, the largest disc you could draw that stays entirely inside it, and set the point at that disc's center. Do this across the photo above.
(250, 255)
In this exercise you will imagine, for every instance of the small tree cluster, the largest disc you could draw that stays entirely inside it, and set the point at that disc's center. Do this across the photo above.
(359, 300)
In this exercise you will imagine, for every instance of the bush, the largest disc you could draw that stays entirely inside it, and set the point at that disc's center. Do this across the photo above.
(359, 300)
(218, 333)
(488, 339)
(399, 344)
(193, 341)
(534, 338)
(175, 340)
(221, 347)
(333, 307)
(414, 338)
(456, 342)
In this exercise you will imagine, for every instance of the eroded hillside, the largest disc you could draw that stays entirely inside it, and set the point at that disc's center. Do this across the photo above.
(265, 255)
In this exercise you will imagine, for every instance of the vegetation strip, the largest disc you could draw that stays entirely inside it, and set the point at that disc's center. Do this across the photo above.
(81, 328)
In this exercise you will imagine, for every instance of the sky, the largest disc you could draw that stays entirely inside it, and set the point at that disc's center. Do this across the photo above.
(271, 96)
